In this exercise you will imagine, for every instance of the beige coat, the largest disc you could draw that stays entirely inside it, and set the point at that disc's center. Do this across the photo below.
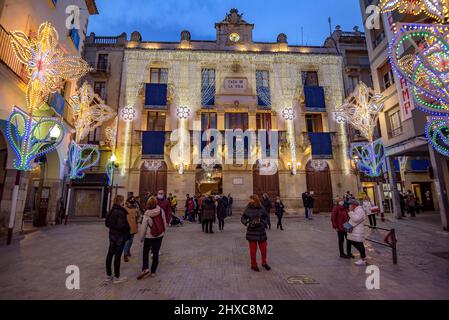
(132, 218)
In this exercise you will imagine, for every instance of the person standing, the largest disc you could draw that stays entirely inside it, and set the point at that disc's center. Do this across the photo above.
(174, 204)
(190, 209)
(208, 214)
(367, 207)
(221, 212)
(230, 202)
(151, 234)
(411, 203)
(305, 199)
(119, 232)
(339, 217)
(132, 218)
(356, 234)
(266, 203)
(186, 207)
(254, 218)
(165, 205)
(279, 206)
(402, 203)
(310, 205)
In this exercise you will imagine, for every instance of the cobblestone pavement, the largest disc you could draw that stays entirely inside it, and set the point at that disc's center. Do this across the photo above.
(195, 265)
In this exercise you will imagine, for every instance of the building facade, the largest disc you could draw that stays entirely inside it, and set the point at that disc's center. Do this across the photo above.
(40, 189)
(412, 163)
(180, 92)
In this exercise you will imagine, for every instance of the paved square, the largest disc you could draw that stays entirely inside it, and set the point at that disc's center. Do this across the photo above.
(195, 265)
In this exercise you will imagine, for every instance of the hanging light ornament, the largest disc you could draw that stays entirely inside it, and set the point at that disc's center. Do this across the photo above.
(437, 133)
(437, 9)
(183, 113)
(128, 113)
(361, 110)
(89, 112)
(153, 165)
(288, 114)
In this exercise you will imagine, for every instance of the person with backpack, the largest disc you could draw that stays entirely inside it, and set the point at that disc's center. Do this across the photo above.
(132, 218)
(279, 206)
(254, 218)
(119, 233)
(152, 232)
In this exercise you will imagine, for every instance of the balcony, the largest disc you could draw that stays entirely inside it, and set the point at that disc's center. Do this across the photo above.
(100, 68)
(8, 57)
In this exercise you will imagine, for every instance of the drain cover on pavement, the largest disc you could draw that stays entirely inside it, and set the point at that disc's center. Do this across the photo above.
(301, 280)
(444, 255)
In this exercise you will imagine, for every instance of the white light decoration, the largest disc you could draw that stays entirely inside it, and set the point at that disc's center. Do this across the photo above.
(128, 113)
(288, 113)
(183, 113)
(319, 165)
(152, 165)
(437, 9)
(361, 110)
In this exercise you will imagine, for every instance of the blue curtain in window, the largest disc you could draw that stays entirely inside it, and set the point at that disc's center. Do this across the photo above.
(75, 37)
(397, 167)
(153, 143)
(57, 102)
(321, 145)
(315, 100)
(420, 165)
(156, 94)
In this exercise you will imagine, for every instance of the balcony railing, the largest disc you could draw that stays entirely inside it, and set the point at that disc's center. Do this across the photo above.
(100, 67)
(8, 57)
(106, 40)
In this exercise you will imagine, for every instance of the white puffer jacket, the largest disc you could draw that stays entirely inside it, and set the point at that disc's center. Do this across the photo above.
(367, 206)
(147, 222)
(357, 219)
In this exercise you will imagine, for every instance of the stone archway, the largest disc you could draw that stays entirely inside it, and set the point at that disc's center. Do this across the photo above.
(319, 181)
(152, 180)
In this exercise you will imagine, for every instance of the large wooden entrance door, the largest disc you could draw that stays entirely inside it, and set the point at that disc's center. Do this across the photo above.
(320, 183)
(265, 183)
(153, 181)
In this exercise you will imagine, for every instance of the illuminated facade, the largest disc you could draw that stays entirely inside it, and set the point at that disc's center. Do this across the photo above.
(230, 83)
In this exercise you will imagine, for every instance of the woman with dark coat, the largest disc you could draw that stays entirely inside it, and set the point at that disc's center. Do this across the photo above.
(266, 203)
(208, 213)
(279, 206)
(254, 218)
(221, 212)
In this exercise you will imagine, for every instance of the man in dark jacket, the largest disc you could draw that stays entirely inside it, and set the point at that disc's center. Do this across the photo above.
(208, 214)
(305, 202)
(339, 217)
(165, 205)
(119, 233)
(221, 212)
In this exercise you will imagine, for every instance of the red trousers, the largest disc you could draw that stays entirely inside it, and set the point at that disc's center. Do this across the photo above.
(253, 252)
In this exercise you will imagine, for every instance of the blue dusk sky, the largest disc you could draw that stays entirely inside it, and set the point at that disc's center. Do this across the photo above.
(163, 20)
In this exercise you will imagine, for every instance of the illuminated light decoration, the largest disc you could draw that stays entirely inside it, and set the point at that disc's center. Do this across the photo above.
(183, 113)
(436, 9)
(31, 138)
(110, 172)
(46, 64)
(361, 110)
(371, 157)
(437, 133)
(152, 165)
(82, 157)
(89, 111)
(288, 113)
(128, 113)
(292, 144)
(319, 165)
(111, 134)
(427, 71)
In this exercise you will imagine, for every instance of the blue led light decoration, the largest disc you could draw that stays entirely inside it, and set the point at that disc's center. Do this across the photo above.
(81, 158)
(31, 138)
(110, 172)
(371, 157)
(437, 133)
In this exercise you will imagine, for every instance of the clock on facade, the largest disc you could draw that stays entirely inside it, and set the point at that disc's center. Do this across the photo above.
(234, 37)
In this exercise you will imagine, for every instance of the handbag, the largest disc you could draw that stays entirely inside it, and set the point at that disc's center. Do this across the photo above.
(349, 227)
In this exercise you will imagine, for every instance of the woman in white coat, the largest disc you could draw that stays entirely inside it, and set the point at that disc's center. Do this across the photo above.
(367, 207)
(356, 237)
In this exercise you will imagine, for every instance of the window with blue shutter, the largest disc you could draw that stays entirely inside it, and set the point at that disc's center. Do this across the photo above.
(315, 100)
(153, 144)
(263, 88)
(207, 87)
(57, 102)
(155, 95)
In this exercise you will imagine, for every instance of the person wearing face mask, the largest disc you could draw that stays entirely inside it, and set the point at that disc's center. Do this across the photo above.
(339, 217)
(165, 205)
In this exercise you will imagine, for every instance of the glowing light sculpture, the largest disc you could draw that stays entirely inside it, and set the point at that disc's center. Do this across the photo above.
(319, 165)
(437, 133)
(361, 110)
(437, 9)
(371, 157)
(110, 172)
(183, 113)
(31, 138)
(81, 158)
(128, 113)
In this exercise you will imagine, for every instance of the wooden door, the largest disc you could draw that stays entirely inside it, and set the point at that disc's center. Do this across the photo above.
(88, 203)
(320, 183)
(265, 184)
(153, 181)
